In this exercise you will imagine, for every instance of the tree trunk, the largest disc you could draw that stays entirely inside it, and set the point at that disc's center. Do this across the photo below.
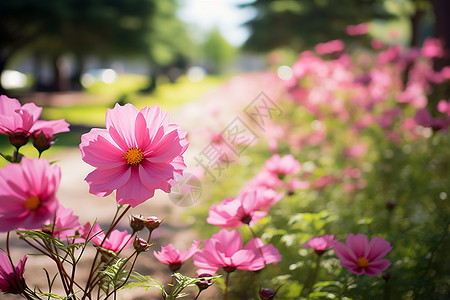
(441, 10)
(442, 30)
(416, 22)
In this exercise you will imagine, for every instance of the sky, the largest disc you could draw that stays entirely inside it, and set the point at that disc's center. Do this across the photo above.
(224, 14)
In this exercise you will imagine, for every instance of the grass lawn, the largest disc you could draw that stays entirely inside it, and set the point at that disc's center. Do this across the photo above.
(126, 90)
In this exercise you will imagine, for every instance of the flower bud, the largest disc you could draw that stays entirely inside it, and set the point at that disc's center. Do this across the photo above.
(391, 204)
(138, 223)
(19, 138)
(141, 245)
(203, 284)
(266, 294)
(175, 266)
(386, 276)
(41, 142)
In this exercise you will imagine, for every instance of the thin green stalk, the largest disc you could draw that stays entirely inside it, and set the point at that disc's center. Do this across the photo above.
(227, 283)
(259, 248)
(89, 285)
(313, 278)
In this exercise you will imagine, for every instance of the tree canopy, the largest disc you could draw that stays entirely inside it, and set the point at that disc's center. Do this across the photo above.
(298, 24)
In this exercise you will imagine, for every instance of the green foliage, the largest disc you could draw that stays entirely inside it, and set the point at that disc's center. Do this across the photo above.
(176, 290)
(300, 24)
(217, 50)
(115, 275)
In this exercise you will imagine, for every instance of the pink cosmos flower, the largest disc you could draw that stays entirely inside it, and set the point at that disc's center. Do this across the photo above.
(329, 47)
(432, 47)
(265, 179)
(137, 153)
(320, 243)
(355, 150)
(173, 257)
(359, 29)
(269, 253)
(286, 165)
(28, 194)
(64, 225)
(247, 208)
(360, 256)
(42, 133)
(297, 184)
(17, 120)
(116, 241)
(324, 181)
(444, 107)
(11, 278)
(224, 250)
(376, 44)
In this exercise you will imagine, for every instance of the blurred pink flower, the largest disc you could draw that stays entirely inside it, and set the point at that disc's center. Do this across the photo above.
(224, 250)
(137, 153)
(423, 118)
(432, 47)
(247, 208)
(65, 224)
(28, 194)
(286, 165)
(42, 132)
(16, 120)
(352, 172)
(376, 44)
(359, 29)
(265, 179)
(297, 184)
(11, 278)
(414, 94)
(324, 181)
(392, 54)
(173, 257)
(329, 47)
(355, 150)
(116, 241)
(362, 257)
(444, 107)
(320, 243)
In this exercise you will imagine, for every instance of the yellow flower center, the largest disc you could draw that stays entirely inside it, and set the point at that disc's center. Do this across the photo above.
(362, 262)
(32, 203)
(134, 156)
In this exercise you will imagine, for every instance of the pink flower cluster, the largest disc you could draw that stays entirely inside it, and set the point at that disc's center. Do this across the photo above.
(20, 123)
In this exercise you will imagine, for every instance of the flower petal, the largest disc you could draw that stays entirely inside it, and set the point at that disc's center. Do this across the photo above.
(378, 247)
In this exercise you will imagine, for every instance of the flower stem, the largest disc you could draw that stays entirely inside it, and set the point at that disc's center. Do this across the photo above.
(259, 248)
(198, 294)
(227, 283)
(91, 278)
(313, 278)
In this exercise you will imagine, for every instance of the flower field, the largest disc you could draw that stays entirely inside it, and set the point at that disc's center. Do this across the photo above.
(331, 183)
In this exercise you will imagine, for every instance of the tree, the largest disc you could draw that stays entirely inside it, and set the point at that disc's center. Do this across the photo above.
(217, 50)
(298, 24)
(170, 44)
(56, 27)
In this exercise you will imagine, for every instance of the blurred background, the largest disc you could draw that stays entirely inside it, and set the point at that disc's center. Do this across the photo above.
(114, 48)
